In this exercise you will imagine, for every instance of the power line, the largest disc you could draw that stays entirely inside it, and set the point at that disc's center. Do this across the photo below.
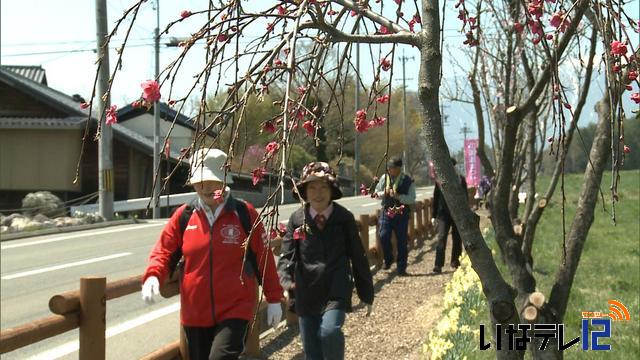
(71, 51)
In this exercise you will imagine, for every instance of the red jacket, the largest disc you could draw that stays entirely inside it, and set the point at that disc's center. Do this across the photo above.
(211, 290)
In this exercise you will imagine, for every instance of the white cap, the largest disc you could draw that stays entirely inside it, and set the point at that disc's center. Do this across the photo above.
(207, 165)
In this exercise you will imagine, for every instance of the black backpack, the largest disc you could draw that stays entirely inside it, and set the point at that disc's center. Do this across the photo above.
(176, 261)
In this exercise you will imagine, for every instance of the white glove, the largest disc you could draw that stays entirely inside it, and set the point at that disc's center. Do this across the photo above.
(150, 287)
(434, 222)
(274, 314)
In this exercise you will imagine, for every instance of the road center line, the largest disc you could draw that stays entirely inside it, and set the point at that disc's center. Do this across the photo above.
(72, 346)
(75, 236)
(64, 266)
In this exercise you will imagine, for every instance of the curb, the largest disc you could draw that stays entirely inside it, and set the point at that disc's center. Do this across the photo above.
(61, 230)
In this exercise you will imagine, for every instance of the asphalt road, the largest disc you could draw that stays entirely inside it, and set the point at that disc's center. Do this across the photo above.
(34, 269)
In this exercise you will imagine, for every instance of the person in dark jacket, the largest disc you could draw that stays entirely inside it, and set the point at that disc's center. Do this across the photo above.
(215, 306)
(442, 221)
(321, 257)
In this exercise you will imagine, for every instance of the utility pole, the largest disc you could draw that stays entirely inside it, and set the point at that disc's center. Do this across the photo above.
(464, 131)
(105, 156)
(156, 124)
(405, 159)
(356, 160)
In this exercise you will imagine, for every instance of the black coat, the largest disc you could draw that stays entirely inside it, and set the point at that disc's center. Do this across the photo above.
(324, 265)
(439, 208)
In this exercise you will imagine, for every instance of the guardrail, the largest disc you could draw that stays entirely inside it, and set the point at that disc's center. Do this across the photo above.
(86, 308)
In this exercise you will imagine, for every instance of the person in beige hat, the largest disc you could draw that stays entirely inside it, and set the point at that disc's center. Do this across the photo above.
(219, 279)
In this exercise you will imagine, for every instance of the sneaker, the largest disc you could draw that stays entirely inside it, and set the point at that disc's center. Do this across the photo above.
(437, 270)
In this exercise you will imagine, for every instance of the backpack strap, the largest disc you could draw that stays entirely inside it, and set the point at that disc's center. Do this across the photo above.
(183, 221)
(245, 220)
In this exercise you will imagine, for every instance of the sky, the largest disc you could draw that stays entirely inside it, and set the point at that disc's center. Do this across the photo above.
(60, 35)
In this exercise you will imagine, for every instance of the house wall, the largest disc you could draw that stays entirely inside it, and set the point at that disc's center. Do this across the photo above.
(39, 159)
(15, 103)
(181, 137)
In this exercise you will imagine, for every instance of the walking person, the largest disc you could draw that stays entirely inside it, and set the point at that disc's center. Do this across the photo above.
(217, 295)
(322, 255)
(443, 222)
(397, 192)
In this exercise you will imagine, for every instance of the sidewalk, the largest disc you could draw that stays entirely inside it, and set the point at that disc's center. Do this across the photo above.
(404, 310)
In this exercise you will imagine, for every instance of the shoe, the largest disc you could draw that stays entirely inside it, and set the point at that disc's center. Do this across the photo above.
(386, 267)
(455, 264)
(403, 273)
(437, 270)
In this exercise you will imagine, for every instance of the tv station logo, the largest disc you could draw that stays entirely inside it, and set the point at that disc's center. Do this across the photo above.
(596, 327)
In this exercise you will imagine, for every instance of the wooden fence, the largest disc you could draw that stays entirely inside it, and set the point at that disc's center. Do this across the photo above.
(86, 308)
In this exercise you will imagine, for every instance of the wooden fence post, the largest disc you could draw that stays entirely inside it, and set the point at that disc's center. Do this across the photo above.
(412, 230)
(184, 349)
(93, 311)
(252, 346)
(364, 231)
(419, 223)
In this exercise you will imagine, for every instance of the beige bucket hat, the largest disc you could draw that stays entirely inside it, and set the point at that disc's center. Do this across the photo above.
(208, 165)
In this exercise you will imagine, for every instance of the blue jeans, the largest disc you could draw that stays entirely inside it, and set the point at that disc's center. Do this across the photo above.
(322, 336)
(400, 225)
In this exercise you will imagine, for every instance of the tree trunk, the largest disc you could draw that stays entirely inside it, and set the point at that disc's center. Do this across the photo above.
(600, 151)
(499, 298)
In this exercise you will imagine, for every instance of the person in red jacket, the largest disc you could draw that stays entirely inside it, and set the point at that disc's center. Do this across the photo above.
(217, 292)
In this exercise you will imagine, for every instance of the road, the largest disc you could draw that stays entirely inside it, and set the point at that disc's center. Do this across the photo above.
(34, 269)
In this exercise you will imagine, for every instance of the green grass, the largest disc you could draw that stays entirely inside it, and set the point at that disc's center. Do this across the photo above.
(609, 267)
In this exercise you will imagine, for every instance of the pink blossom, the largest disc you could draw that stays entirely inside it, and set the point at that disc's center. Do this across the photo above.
(398, 1)
(150, 91)
(412, 23)
(218, 196)
(361, 125)
(559, 20)
(299, 234)
(136, 104)
(549, 37)
(222, 38)
(171, 102)
(112, 115)
(379, 121)
(257, 175)
(277, 62)
(353, 13)
(383, 99)
(386, 64)
(270, 27)
(626, 149)
(308, 125)
(632, 75)
(84, 105)
(281, 10)
(302, 90)
(272, 147)
(618, 48)
(361, 114)
(615, 68)
(282, 229)
(518, 27)
(331, 12)
(269, 127)
(636, 98)
(535, 8)
(364, 190)
(567, 105)
(383, 30)
(185, 14)
(417, 18)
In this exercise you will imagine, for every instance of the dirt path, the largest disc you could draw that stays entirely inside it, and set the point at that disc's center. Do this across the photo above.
(405, 309)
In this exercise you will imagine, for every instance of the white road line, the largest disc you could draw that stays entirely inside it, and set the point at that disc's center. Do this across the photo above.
(75, 236)
(64, 266)
(370, 204)
(68, 348)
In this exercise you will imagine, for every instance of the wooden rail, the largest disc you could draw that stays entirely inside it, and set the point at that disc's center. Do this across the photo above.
(86, 308)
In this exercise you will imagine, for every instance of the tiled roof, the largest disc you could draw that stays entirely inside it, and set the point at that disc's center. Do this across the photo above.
(31, 72)
(68, 123)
